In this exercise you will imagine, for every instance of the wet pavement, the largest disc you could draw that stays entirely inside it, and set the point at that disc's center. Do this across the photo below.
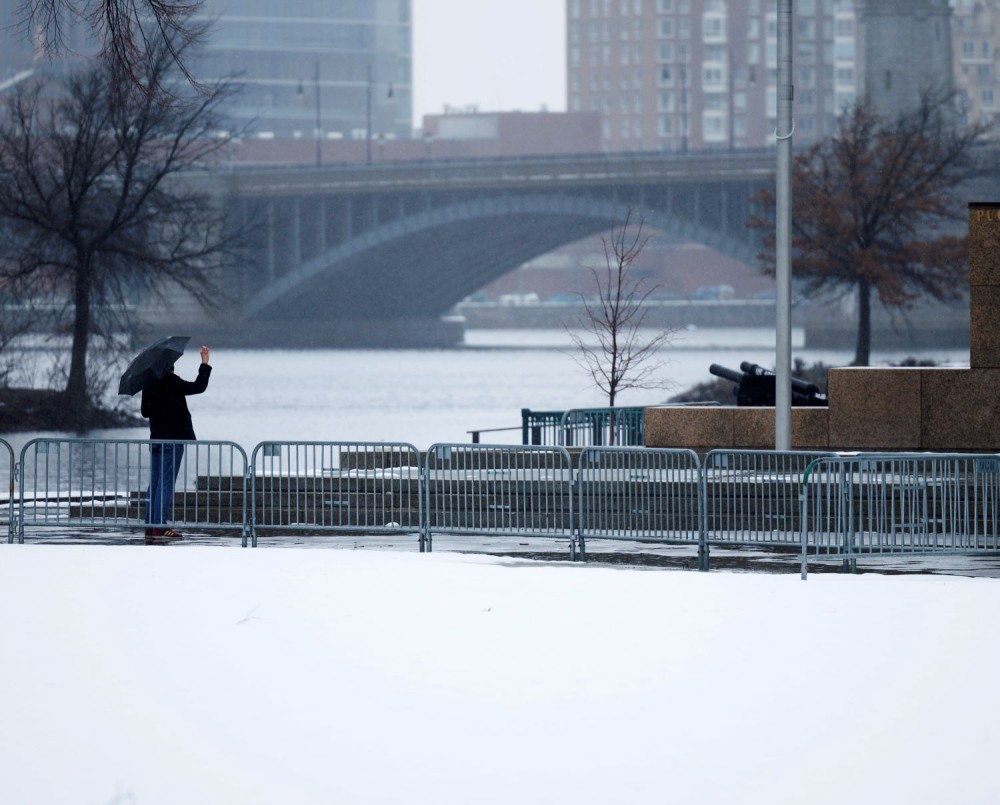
(600, 553)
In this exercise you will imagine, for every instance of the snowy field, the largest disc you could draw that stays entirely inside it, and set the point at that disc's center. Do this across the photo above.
(141, 675)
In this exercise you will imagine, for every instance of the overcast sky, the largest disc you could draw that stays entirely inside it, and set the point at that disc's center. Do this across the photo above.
(496, 54)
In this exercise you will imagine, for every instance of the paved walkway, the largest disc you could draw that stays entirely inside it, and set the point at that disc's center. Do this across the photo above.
(600, 553)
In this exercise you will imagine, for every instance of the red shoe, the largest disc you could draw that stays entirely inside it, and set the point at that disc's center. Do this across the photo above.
(171, 534)
(154, 532)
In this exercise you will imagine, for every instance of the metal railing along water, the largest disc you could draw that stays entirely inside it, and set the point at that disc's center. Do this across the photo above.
(335, 487)
(7, 507)
(540, 427)
(582, 427)
(871, 505)
(87, 484)
(497, 490)
(638, 494)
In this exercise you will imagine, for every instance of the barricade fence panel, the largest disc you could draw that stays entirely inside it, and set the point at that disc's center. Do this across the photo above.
(500, 490)
(886, 504)
(640, 494)
(330, 487)
(106, 483)
(7, 519)
(752, 497)
(623, 427)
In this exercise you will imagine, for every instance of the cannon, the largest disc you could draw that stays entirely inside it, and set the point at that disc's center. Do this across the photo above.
(755, 386)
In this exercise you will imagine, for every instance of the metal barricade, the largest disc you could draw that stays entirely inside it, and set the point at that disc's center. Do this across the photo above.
(621, 427)
(638, 494)
(7, 508)
(335, 487)
(92, 484)
(497, 490)
(871, 505)
(751, 497)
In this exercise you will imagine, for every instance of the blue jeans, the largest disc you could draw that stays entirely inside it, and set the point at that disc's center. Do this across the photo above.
(164, 464)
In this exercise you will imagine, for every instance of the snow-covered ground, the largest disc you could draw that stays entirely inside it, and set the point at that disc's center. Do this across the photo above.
(198, 674)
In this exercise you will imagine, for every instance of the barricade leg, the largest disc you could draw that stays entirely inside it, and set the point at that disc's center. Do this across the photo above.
(703, 560)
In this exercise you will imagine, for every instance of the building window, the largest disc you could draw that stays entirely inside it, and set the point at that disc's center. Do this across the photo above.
(715, 101)
(665, 26)
(712, 126)
(712, 28)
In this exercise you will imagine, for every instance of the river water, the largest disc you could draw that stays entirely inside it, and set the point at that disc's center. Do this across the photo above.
(427, 396)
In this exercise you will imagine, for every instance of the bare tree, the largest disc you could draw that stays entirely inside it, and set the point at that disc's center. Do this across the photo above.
(129, 32)
(98, 205)
(624, 356)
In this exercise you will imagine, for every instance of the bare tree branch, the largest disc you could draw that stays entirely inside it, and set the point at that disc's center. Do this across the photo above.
(625, 355)
(128, 33)
(96, 202)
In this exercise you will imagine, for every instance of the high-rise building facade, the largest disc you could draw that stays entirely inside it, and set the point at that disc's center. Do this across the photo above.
(976, 48)
(680, 74)
(337, 69)
(332, 68)
(904, 49)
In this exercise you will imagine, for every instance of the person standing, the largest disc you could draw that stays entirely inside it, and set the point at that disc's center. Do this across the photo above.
(164, 405)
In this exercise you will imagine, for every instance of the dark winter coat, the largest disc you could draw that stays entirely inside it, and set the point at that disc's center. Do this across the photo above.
(164, 405)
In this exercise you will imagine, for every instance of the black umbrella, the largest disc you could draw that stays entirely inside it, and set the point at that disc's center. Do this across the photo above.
(152, 363)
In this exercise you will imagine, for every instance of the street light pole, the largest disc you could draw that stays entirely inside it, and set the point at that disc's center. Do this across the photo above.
(319, 123)
(783, 234)
(684, 106)
(368, 127)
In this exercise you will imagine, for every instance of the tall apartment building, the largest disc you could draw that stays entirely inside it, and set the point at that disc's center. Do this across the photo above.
(976, 48)
(679, 74)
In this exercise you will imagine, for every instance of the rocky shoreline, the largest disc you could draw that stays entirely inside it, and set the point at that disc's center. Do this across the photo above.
(37, 409)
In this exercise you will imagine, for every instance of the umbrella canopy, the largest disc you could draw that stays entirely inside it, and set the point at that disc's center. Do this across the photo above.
(152, 363)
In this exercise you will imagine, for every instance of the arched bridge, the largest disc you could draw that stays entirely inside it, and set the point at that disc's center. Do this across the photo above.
(345, 251)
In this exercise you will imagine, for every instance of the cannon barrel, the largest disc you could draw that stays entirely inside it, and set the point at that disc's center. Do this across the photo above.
(799, 385)
(755, 386)
(726, 374)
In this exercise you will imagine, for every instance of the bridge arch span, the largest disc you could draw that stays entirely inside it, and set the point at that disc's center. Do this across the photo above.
(422, 264)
